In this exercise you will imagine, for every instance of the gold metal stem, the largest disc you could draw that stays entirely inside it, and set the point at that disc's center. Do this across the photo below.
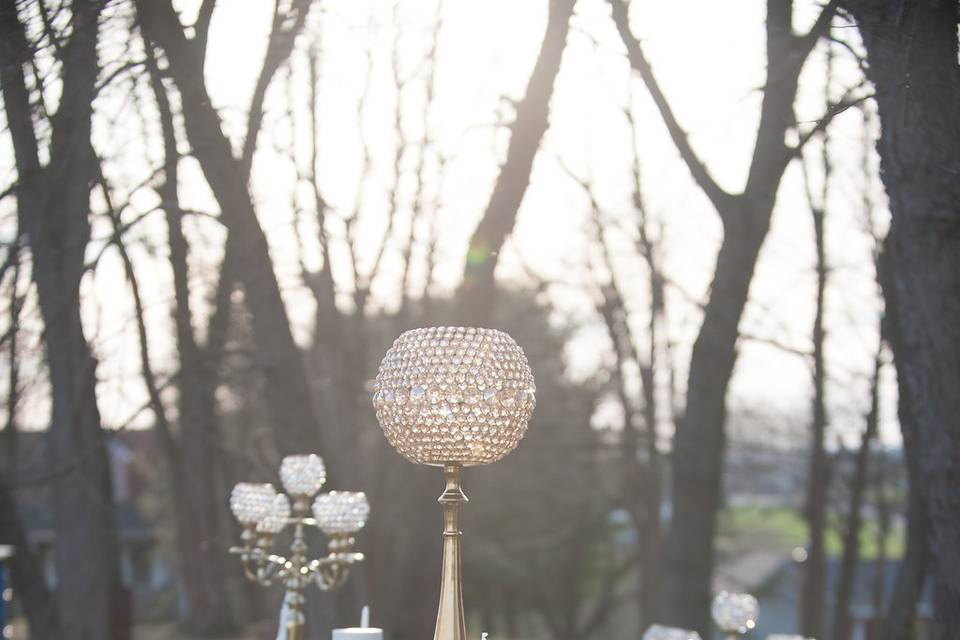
(295, 623)
(295, 620)
(450, 621)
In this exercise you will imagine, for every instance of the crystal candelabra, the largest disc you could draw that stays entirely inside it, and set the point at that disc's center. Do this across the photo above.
(735, 613)
(264, 513)
(453, 397)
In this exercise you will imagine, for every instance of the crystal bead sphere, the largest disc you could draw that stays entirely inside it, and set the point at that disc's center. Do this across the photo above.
(660, 632)
(454, 395)
(250, 502)
(339, 512)
(303, 475)
(276, 516)
(735, 612)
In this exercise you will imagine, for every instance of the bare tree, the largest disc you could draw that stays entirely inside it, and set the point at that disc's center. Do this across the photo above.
(53, 201)
(698, 445)
(912, 54)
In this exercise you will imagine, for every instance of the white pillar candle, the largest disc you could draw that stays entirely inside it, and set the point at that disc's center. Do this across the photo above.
(363, 632)
(358, 633)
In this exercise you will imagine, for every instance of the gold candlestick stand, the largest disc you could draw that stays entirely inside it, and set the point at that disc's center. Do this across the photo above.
(453, 397)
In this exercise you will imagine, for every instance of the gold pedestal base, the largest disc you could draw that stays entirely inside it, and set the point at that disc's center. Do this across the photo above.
(450, 619)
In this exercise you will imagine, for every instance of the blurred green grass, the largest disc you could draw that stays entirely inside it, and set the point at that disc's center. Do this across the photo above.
(746, 528)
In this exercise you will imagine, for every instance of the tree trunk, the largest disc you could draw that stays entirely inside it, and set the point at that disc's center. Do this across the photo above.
(53, 208)
(912, 54)
(698, 446)
(533, 113)
(899, 618)
(811, 595)
(851, 534)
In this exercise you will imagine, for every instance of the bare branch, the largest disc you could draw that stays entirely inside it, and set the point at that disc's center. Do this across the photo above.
(146, 367)
(419, 196)
(820, 28)
(9, 191)
(832, 112)
(201, 28)
(283, 34)
(362, 290)
(773, 342)
(638, 61)
(116, 73)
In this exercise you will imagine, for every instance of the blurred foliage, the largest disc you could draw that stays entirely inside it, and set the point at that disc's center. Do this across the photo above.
(782, 528)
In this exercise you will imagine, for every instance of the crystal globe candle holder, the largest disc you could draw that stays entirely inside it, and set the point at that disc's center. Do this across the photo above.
(735, 613)
(341, 512)
(303, 475)
(660, 632)
(453, 397)
(250, 502)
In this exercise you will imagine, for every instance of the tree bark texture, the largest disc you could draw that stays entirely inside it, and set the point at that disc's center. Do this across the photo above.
(53, 207)
(912, 56)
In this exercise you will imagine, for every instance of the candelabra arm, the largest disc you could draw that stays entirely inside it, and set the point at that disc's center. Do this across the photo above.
(450, 619)
(258, 565)
(333, 570)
